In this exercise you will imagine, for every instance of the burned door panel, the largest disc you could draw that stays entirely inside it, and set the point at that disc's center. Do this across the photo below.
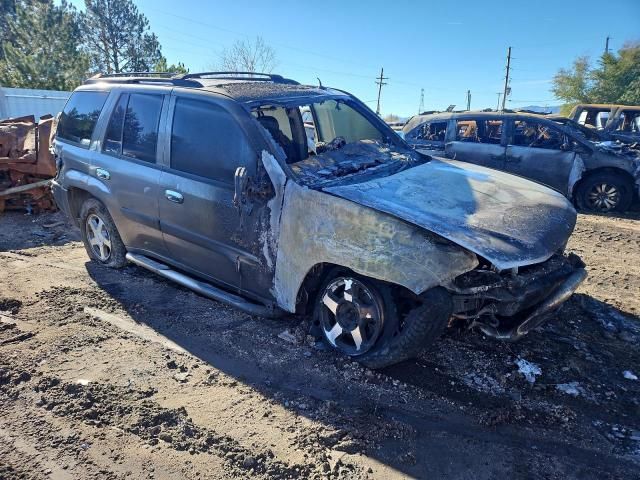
(198, 217)
(539, 152)
(477, 141)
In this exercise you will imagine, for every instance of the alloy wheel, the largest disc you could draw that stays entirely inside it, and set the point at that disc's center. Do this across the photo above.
(98, 237)
(350, 316)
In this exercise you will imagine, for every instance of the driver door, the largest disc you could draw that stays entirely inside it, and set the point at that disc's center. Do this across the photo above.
(536, 151)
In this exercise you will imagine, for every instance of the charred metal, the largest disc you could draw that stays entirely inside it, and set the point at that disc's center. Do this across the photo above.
(26, 164)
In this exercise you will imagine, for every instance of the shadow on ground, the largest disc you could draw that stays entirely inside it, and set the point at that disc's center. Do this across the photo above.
(466, 393)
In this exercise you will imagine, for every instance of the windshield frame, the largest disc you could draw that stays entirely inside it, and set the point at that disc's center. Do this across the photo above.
(391, 138)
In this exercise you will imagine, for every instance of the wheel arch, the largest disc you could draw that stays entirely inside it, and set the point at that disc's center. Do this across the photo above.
(604, 170)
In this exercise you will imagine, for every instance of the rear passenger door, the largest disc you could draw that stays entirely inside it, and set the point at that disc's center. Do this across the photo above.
(200, 224)
(478, 141)
(539, 151)
(127, 171)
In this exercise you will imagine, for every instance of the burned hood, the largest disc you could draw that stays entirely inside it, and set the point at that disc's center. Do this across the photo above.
(505, 219)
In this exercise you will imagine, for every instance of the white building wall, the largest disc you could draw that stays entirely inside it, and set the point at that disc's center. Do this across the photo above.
(17, 102)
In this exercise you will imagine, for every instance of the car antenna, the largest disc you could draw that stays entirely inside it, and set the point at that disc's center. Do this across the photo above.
(319, 82)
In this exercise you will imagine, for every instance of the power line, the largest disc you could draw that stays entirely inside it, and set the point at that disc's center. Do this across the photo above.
(380, 82)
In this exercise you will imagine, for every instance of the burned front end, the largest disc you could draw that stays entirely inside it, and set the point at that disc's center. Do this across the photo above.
(509, 304)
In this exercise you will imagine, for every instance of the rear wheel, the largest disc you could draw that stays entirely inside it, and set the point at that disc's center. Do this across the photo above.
(604, 192)
(100, 235)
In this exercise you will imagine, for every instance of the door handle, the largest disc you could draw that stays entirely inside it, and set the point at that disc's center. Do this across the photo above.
(103, 174)
(173, 196)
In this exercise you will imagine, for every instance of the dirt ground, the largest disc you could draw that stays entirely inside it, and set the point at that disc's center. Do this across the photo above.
(119, 374)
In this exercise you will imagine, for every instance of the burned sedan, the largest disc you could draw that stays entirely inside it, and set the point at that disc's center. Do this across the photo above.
(596, 175)
(281, 198)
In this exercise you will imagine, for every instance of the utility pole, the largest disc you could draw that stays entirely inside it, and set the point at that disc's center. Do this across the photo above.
(498, 105)
(380, 82)
(506, 79)
(468, 100)
(606, 45)
(421, 107)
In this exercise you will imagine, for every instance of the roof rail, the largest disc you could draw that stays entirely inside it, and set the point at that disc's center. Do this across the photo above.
(254, 76)
(168, 78)
(135, 74)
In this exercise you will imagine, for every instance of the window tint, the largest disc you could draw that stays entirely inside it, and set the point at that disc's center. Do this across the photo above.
(479, 131)
(80, 116)
(140, 133)
(113, 137)
(536, 135)
(206, 141)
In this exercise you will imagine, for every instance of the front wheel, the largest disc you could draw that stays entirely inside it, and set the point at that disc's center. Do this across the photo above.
(604, 192)
(100, 235)
(354, 314)
(359, 317)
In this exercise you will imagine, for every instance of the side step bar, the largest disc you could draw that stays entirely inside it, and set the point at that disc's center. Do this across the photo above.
(204, 288)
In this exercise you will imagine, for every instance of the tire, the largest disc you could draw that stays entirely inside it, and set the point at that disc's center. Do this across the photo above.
(394, 341)
(420, 328)
(100, 235)
(604, 192)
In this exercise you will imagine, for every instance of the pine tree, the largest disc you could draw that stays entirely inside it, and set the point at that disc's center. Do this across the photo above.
(42, 47)
(117, 37)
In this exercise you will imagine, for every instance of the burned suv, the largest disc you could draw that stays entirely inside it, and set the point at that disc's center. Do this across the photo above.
(278, 198)
(597, 175)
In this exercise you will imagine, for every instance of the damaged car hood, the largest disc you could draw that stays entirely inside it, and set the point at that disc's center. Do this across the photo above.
(505, 219)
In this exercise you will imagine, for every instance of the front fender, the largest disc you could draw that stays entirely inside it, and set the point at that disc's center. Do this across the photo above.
(316, 227)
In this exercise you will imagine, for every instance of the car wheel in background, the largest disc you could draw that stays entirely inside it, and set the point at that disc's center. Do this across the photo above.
(604, 192)
(100, 235)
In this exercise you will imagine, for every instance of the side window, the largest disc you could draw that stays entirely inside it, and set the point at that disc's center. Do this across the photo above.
(479, 131)
(140, 128)
(206, 141)
(80, 116)
(113, 138)
(536, 135)
(435, 131)
(629, 122)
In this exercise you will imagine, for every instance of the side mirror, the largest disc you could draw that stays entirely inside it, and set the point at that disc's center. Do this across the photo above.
(240, 181)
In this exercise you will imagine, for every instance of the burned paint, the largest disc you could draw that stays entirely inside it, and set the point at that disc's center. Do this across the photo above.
(316, 228)
(505, 219)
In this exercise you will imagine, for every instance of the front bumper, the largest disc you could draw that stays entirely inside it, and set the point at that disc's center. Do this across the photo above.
(509, 305)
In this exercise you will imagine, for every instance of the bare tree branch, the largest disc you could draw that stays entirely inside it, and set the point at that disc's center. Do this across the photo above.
(247, 56)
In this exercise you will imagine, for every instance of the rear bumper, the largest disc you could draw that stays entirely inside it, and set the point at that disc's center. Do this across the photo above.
(61, 196)
(508, 306)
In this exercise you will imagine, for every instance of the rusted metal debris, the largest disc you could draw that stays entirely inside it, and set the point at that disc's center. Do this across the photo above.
(26, 164)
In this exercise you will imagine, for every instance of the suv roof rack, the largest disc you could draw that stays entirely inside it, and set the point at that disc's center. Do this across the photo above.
(187, 79)
(253, 76)
(166, 78)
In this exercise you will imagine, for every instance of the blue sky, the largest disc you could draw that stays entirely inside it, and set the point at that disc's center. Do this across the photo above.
(443, 47)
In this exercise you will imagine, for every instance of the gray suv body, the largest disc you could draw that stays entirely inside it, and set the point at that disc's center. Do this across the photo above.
(282, 198)
(597, 175)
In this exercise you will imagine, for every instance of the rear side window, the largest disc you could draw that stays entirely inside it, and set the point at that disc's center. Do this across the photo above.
(133, 127)
(80, 116)
(435, 131)
(206, 141)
